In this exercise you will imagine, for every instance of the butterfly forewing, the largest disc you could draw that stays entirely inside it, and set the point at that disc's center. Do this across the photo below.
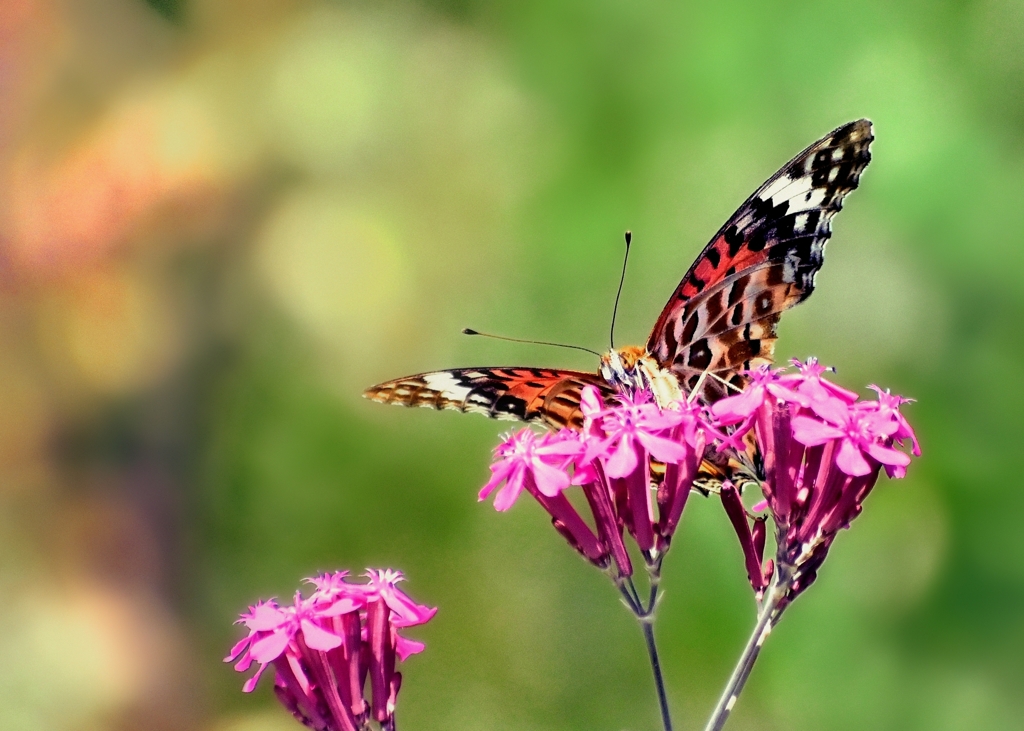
(522, 394)
(763, 261)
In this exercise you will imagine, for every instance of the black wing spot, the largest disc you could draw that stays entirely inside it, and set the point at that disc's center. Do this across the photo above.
(510, 405)
(776, 275)
(778, 212)
(714, 306)
(813, 216)
(734, 239)
(691, 327)
(714, 257)
(696, 282)
(737, 315)
(700, 355)
(737, 289)
(757, 240)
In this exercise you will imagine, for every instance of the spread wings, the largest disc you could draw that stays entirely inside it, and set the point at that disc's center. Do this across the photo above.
(522, 394)
(723, 314)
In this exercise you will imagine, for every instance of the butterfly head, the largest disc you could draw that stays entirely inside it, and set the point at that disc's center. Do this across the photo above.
(621, 367)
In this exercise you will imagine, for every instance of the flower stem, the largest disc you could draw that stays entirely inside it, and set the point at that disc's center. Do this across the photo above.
(765, 621)
(647, 625)
(645, 615)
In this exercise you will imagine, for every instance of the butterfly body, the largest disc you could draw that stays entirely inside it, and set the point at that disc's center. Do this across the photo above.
(720, 321)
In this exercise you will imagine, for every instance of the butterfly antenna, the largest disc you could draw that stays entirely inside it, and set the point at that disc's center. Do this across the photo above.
(622, 278)
(469, 331)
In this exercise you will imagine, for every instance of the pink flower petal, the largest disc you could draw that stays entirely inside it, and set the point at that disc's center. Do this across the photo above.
(405, 647)
(788, 395)
(238, 648)
(269, 648)
(896, 473)
(550, 480)
(887, 455)
(265, 616)
(317, 638)
(734, 409)
(663, 449)
(250, 684)
(622, 460)
(341, 606)
(811, 432)
(597, 448)
(561, 448)
(507, 496)
(851, 460)
(831, 409)
(499, 473)
(590, 401)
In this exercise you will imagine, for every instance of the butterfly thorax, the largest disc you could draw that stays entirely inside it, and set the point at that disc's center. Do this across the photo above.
(632, 369)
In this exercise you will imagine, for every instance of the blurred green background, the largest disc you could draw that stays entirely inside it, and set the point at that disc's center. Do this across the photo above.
(220, 220)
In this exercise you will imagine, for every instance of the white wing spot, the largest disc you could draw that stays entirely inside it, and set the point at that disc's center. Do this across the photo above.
(807, 202)
(794, 189)
(775, 187)
(448, 386)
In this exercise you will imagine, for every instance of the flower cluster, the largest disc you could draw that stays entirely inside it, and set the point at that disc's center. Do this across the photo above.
(822, 450)
(620, 451)
(323, 648)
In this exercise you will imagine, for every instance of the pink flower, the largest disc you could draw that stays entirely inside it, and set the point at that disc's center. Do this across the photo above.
(822, 451)
(610, 460)
(633, 430)
(323, 647)
(887, 408)
(859, 441)
(540, 465)
(528, 459)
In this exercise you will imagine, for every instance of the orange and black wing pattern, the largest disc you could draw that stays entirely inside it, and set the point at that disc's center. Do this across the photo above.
(722, 316)
(544, 395)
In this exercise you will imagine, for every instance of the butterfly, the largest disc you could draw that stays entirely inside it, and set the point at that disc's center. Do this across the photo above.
(720, 321)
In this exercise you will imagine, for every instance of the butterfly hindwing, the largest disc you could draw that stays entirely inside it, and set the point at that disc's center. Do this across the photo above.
(523, 394)
(763, 261)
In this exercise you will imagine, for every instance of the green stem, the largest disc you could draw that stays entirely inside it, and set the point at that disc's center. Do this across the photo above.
(734, 687)
(647, 625)
(645, 615)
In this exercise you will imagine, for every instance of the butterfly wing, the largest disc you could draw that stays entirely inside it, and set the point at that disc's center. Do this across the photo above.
(521, 394)
(723, 314)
